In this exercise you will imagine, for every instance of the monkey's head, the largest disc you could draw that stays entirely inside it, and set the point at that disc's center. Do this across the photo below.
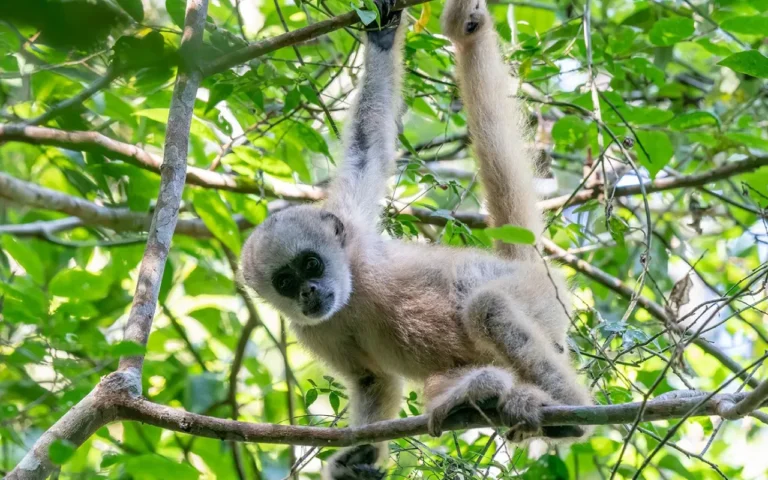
(296, 260)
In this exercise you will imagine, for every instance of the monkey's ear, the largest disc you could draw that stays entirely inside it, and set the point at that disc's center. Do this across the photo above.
(338, 226)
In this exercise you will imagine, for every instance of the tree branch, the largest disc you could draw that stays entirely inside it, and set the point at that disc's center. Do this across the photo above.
(172, 178)
(139, 409)
(263, 47)
(750, 403)
(97, 143)
(87, 213)
(96, 409)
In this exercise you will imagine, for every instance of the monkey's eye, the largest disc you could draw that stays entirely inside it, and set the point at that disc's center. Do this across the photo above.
(285, 283)
(313, 266)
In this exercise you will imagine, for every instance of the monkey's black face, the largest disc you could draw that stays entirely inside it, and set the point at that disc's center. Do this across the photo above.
(302, 281)
(298, 262)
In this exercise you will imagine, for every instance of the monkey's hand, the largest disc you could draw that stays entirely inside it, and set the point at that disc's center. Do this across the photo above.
(463, 19)
(384, 36)
(355, 463)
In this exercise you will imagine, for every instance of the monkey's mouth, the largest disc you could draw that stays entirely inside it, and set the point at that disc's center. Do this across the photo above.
(317, 305)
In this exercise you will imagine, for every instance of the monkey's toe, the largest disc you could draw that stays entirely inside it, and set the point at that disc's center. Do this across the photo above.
(357, 463)
(520, 410)
(358, 472)
(461, 18)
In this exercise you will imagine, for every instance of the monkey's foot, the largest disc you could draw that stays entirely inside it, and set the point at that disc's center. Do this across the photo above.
(462, 19)
(480, 389)
(521, 411)
(356, 463)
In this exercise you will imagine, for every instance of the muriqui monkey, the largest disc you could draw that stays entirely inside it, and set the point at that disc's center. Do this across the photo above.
(473, 326)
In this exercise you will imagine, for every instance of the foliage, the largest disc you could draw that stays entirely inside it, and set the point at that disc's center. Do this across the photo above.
(680, 90)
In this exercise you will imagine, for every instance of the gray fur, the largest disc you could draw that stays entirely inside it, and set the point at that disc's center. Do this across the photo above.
(473, 326)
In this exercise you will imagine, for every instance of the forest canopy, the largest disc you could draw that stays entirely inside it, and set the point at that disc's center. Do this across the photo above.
(648, 122)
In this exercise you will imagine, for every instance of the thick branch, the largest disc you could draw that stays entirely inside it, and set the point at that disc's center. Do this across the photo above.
(78, 424)
(88, 213)
(177, 420)
(260, 48)
(750, 403)
(98, 143)
(95, 142)
(172, 177)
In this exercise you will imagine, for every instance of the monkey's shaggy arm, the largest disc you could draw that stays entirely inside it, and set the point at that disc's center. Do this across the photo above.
(371, 131)
(496, 122)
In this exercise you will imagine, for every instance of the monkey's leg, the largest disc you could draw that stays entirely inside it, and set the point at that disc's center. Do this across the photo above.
(373, 398)
(497, 320)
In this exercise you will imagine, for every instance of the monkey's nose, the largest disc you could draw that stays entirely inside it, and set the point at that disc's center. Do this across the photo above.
(308, 290)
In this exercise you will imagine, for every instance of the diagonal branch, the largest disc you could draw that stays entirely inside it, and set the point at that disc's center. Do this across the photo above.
(260, 48)
(173, 173)
(96, 409)
(97, 143)
(750, 403)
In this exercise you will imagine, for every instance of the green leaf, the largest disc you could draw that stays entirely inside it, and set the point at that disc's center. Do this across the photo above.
(156, 467)
(747, 140)
(313, 140)
(292, 100)
(568, 130)
(111, 459)
(750, 25)
(512, 234)
(333, 398)
(310, 95)
(669, 31)
(202, 391)
(310, 397)
(366, 16)
(25, 256)
(694, 119)
(217, 217)
(659, 147)
(159, 115)
(219, 92)
(79, 284)
(255, 160)
(176, 10)
(61, 450)
(750, 62)
(135, 8)
(618, 228)
(371, 5)
(547, 467)
(720, 50)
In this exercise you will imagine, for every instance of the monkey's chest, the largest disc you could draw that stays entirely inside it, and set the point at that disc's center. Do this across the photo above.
(414, 335)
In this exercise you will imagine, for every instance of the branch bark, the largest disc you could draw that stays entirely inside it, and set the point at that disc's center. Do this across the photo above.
(139, 409)
(95, 142)
(173, 173)
(97, 408)
(260, 48)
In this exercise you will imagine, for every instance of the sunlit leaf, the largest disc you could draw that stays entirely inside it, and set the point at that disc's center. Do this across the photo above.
(669, 31)
(750, 62)
(217, 217)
